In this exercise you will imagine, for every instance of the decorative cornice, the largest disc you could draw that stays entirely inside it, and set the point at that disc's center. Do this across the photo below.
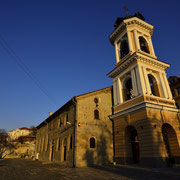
(137, 56)
(117, 31)
(152, 61)
(121, 67)
(127, 22)
(142, 105)
(142, 24)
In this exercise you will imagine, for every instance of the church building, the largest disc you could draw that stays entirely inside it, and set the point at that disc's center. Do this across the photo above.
(80, 132)
(145, 119)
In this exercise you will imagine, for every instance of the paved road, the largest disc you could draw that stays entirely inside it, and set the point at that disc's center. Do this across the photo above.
(22, 169)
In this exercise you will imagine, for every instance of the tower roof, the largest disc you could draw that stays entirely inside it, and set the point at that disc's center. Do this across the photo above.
(123, 23)
(119, 20)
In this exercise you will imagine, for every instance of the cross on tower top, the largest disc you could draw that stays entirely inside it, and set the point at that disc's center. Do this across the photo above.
(126, 9)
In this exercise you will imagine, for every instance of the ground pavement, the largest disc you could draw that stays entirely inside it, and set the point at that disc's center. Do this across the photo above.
(22, 169)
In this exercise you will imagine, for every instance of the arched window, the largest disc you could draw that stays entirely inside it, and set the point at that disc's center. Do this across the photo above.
(153, 85)
(96, 114)
(44, 144)
(143, 44)
(59, 123)
(92, 142)
(67, 118)
(129, 94)
(124, 48)
(59, 144)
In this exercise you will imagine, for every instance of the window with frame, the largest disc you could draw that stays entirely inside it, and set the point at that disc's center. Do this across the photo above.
(67, 118)
(92, 142)
(44, 144)
(96, 114)
(59, 123)
(59, 144)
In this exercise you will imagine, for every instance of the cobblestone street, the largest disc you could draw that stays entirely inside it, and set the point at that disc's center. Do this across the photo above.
(22, 169)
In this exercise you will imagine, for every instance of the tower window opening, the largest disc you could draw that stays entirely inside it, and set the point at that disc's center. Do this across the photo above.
(124, 48)
(153, 85)
(92, 142)
(129, 93)
(143, 44)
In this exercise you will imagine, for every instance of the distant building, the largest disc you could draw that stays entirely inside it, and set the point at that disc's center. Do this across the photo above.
(23, 140)
(16, 133)
(174, 82)
(80, 132)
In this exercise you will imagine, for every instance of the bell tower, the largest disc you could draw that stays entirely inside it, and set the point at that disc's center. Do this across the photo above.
(145, 113)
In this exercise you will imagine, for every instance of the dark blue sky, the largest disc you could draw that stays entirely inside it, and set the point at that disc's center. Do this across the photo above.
(65, 45)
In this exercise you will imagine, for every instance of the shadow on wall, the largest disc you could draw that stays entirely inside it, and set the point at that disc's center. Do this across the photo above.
(164, 144)
(98, 155)
(102, 156)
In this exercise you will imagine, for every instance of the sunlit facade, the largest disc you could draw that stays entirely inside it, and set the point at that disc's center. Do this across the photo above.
(146, 120)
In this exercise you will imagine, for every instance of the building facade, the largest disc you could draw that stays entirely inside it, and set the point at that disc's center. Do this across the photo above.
(23, 141)
(16, 133)
(146, 120)
(174, 82)
(80, 132)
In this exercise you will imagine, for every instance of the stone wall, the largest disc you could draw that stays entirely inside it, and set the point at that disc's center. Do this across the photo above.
(81, 114)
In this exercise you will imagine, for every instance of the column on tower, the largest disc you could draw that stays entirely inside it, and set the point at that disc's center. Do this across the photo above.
(164, 89)
(136, 40)
(138, 78)
(151, 46)
(167, 86)
(144, 80)
(114, 92)
(119, 88)
(117, 52)
(129, 41)
(134, 84)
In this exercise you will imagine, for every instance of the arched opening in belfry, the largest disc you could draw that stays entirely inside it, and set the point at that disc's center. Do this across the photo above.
(124, 48)
(128, 90)
(143, 44)
(132, 144)
(153, 85)
(171, 143)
